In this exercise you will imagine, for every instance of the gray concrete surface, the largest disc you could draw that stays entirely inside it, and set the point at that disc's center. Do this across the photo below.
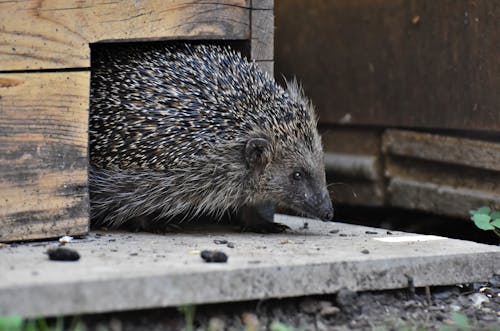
(125, 271)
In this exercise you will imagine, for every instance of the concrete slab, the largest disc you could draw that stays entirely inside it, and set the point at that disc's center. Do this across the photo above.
(123, 271)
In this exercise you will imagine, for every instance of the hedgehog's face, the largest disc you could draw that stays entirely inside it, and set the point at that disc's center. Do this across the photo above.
(293, 178)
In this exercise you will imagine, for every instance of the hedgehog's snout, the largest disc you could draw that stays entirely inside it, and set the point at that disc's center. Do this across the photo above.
(325, 208)
(319, 205)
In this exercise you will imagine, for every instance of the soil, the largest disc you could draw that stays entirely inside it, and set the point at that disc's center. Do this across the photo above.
(465, 307)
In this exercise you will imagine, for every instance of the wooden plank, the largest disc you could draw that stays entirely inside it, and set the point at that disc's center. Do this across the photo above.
(441, 148)
(267, 66)
(262, 29)
(354, 179)
(43, 154)
(353, 165)
(56, 33)
(438, 198)
(436, 173)
(405, 63)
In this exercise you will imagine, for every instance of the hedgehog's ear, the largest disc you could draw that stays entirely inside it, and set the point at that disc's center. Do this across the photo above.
(257, 154)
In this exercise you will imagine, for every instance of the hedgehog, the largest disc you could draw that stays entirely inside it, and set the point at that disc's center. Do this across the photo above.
(180, 133)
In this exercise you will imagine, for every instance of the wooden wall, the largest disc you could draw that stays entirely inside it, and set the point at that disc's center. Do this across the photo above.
(372, 66)
(44, 92)
(405, 63)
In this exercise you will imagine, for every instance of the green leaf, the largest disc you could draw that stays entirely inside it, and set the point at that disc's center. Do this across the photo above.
(59, 324)
(484, 210)
(496, 223)
(460, 320)
(76, 325)
(30, 326)
(42, 324)
(482, 221)
(277, 326)
(12, 322)
(495, 215)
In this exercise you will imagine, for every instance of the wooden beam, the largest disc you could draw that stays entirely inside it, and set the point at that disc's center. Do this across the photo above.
(262, 29)
(56, 33)
(353, 164)
(395, 63)
(43, 155)
(441, 148)
(438, 198)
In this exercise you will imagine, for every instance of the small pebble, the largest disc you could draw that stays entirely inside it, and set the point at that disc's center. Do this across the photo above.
(220, 241)
(310, 306)
(371, 232)
(230, 245)
(365, 251)
(477, 299)
(329, 311)
(213, 256)
(65, 239)
(63, 254)
(335, 231)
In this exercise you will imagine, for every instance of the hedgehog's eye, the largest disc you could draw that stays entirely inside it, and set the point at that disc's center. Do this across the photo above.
(297, 175)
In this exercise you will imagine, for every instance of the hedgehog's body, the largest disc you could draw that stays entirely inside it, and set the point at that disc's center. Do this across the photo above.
(199, 131)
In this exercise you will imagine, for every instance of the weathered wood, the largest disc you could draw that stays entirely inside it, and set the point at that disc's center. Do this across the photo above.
(263, 4)
(262, 29)
(43, 155)
(441, 174)
(56, 33)
(440, 148)
(406, 63)
(354, 179)
(437, 198)
(353, 165)
(267, 66)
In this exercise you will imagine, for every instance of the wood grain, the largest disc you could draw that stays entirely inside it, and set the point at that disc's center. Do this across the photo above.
(441, 174)
(441, 148)
(438, 198)
(354, 167)
(37, 34)
(375, 63)
(267, 66)
(262, 30)
(43, 154)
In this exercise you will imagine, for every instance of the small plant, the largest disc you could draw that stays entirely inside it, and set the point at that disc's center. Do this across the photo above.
(277, 326)
(17, 323)
(486, 219)
(188, 312)
(461, 321)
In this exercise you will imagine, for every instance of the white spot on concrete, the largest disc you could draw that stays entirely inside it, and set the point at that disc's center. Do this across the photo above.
(412, 238)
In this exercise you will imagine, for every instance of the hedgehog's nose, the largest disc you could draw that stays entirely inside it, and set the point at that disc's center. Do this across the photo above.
(325, 208)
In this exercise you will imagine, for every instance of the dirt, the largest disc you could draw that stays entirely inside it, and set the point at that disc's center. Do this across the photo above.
(465, 307)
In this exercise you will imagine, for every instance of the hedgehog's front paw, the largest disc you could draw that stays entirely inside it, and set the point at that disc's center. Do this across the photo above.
(267, 227)
(259, 219)
(147, 223)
